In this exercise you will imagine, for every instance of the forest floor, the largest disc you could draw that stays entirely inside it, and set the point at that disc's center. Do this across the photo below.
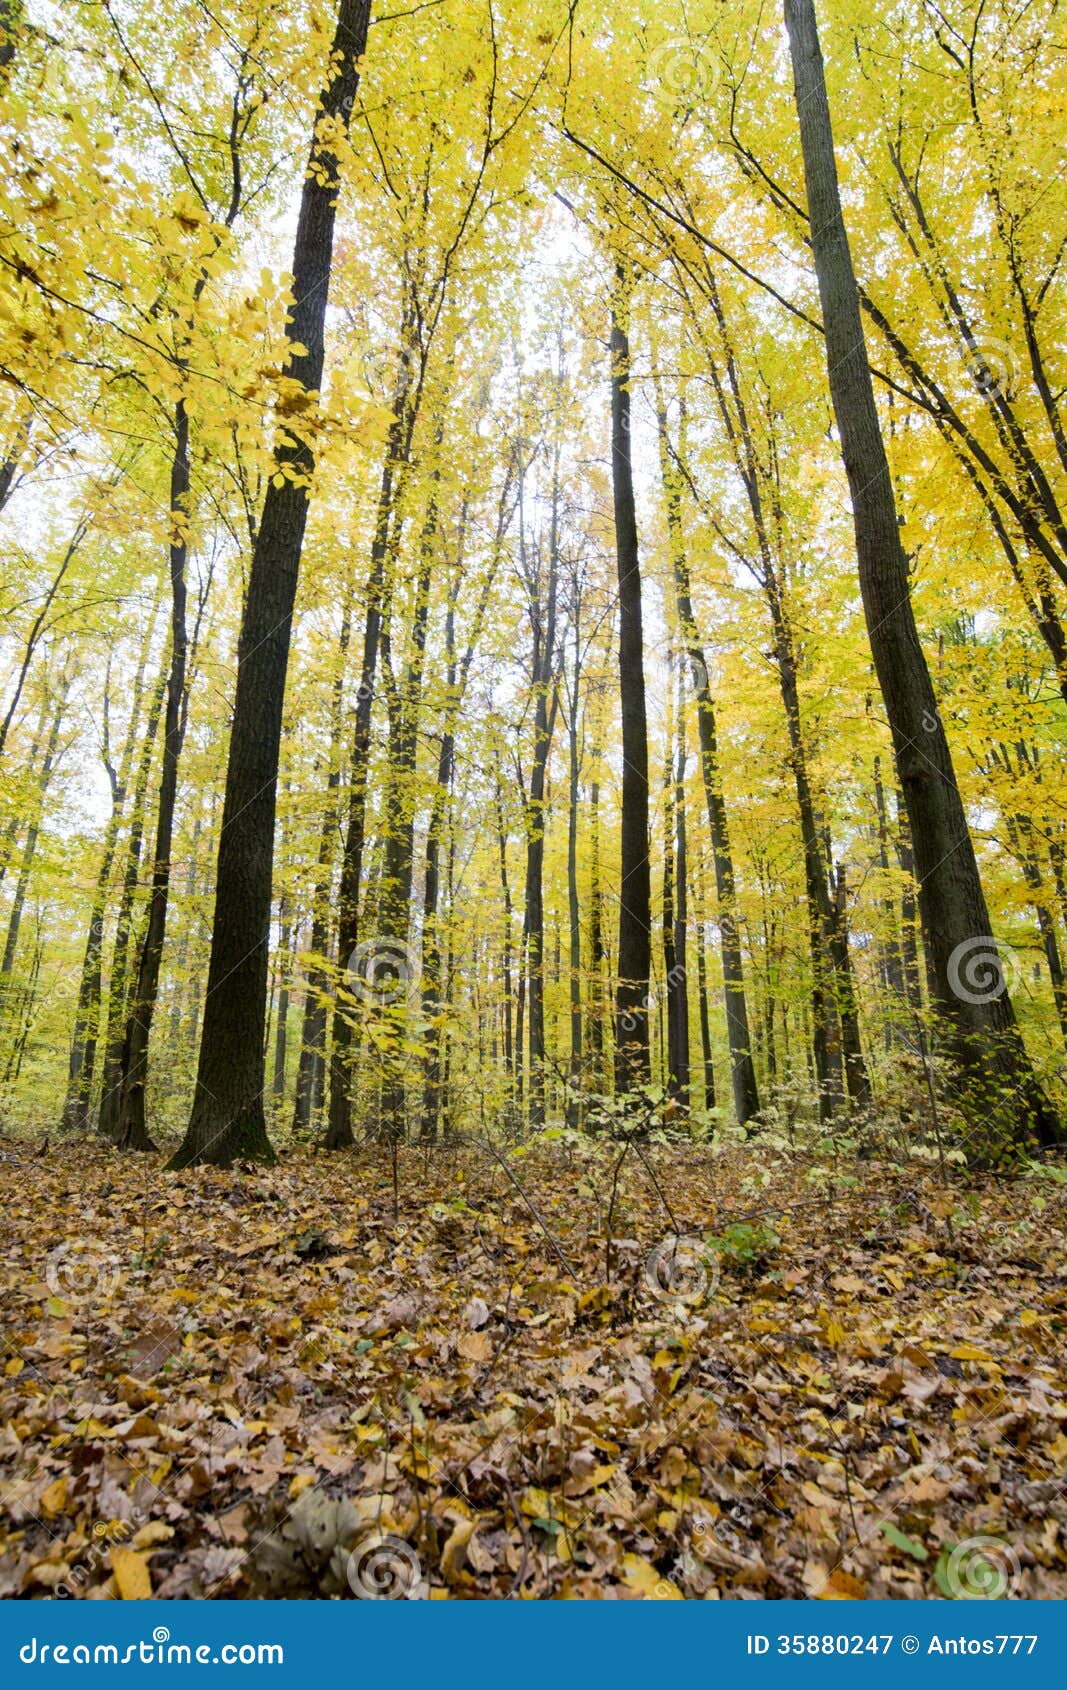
(495, 1381)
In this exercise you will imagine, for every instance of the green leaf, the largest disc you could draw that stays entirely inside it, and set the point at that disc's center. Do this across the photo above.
(900, 1541)
(941, 1575)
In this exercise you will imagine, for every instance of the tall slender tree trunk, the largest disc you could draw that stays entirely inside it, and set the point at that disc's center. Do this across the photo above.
(505, 961)
(118, 994)
(595, 1017)
(281, 1025)
(634, 960)
(825, 1042)
(82, 1063)
(742, 1067)
(574, 921)
(677, 977)
(339, 1135)
(998, 1092)
(405, 708)
(311, 1063)
(702, 996)
(227, 1116)
(131, 1131)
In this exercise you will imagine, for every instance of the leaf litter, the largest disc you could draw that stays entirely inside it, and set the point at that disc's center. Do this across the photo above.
(482, 1383)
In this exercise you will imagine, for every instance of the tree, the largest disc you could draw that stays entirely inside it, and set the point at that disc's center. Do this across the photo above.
(227, 1118)
(1003, 1101)
(634, 959)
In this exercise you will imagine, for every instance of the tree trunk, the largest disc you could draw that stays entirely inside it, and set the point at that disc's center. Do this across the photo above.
(634, 960)
(998, 1093)
(573, 902)
(702, 993)
(82, 1064)
(338, 1135)
(227, 1117)
(678, 987)
(743, 1072)
(281, 1026)
(595, 1016)
(118, 985)
(131, 1130)
(311, 1065)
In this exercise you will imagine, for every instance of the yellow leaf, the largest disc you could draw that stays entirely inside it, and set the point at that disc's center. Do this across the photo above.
(842, 1587)
(156, 1531)
(597, 1476)
(454, 1552)
(14, 1367)
(640, 1575)
(54, 1499)
(131, 1575)
(300, 1483)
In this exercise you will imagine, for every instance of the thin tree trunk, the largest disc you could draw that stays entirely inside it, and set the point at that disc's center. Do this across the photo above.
(596, 943)
(311, 1064)
(131, 1130)
(281, 1026)
(743, 1072)
(83, 1048)
(573, 901)
(634, 960)
(702, 996)
(338, 1135)
(118, 985)
(678, 987)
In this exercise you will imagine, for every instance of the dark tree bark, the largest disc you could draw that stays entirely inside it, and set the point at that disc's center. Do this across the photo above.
(856, 1076)
(10, 29)
(595, 1015)
(999, 1095)
(311, 1064)
(634, 960)
(702, 996)
(573, 901)
(339, 1135)
(82, 1065)
(678, 988)
(118, 993)
(281, 1025)
(131, 1129)
(227, 1118)
(544, 687)
(456, 677)
(674, 903)
(891, 956)
(405, 707)
(510, 1058)
(743, 1071)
